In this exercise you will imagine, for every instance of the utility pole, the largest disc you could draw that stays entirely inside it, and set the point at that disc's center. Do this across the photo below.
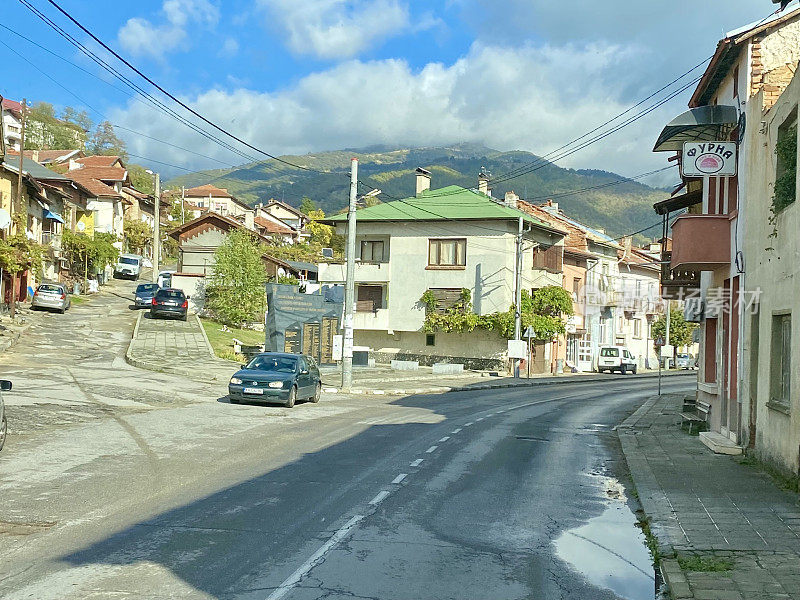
(669, 318)
(350, 286)
(183, 204)
(518, 295)
(21, 153)
(157, 228)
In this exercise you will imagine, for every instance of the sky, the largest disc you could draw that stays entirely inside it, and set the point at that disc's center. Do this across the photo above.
(300, 76)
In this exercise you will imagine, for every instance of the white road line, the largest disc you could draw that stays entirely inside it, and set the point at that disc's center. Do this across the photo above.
(431, 449)
(479, 419)
(416, 463)
(444, 439)
(379, 498)
(490, 415)
(314, 560)
(456, 430)
(468, 424)
(400, 478)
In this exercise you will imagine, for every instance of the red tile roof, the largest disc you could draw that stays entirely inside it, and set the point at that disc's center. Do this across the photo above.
(95, 187)
(575, 239)
(270, 227)
(13, 107)
(203, 191)
(98, 160)
(103, 173)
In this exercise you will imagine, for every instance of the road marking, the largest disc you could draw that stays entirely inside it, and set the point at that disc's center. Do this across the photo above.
(314, 560)
(456, 430)
(399, 478)
(444, 439)
(416, 463)
(479, 419)
(468, 424)
(490, 415)
(431, 449)
(379, 498)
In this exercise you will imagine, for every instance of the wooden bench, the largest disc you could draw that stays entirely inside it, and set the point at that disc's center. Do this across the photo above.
(695, 412)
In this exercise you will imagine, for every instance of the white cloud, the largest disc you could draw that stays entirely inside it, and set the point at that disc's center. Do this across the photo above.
(141, 37)
(332, 29)
(229, 48)
(530, 98)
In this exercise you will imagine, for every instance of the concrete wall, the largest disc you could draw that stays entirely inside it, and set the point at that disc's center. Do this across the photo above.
(772, 252)
(192, 286)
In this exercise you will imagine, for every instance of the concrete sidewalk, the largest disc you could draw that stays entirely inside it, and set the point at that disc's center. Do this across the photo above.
(724, 530)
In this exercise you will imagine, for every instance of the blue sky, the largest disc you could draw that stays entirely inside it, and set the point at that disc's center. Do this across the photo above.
(298, 76)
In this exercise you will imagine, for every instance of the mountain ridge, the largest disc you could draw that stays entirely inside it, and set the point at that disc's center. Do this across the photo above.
(618, 208)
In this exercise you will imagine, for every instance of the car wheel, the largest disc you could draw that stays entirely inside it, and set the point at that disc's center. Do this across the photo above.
(623, 370)
(3, 432)
(317, 393)
(292, 397)
(634, 370)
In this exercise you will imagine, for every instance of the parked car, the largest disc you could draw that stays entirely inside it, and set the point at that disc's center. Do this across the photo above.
(143, 297)
(276, 377)
(53, 296)
(128, 265)
(169, 302)
(5, 386)
(616, 358)
(165, 279)
(685, 361)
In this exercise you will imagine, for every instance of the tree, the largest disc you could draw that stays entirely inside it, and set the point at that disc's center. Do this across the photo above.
(138, 235)
(320, 234)
(235, 292)
(45, 130)
(680, 331)
(307, 206)
(141, 179)
(105, 141)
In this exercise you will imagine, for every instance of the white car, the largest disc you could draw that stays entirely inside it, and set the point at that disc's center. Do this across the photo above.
(128, 265)
(616, 358)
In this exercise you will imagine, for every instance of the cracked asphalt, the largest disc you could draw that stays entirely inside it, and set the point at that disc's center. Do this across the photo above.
(121, 483)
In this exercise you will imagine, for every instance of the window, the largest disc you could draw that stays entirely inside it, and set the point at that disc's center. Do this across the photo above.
(786, 172)
(637, 328)
(369, 298)
(780, 361)
(447, 253)
(446, 298)
(710, 368)
(609, 352)
(430, 339)
(372, 251)
(549, 259)
(576, 286)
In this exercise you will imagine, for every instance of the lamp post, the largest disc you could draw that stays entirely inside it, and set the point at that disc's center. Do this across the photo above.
(156, 225)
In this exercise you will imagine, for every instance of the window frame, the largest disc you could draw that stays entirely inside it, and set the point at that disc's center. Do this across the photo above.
(437, 242)
(780, 392)
(372, 244)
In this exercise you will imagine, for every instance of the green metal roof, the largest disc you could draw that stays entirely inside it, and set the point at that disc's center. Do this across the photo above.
(451, 203)
(33, 168)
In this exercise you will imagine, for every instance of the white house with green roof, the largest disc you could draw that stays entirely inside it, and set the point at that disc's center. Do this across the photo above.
(442, 240)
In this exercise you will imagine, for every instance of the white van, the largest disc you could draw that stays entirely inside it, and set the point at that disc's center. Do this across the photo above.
(128, 265)
(616, 358)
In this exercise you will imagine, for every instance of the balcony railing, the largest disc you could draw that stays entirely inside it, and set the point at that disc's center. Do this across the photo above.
(677, 283)
(701, 242)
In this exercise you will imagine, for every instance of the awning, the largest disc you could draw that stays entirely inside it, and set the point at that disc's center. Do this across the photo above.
(54, 216)
(678, 202)
(701, 124)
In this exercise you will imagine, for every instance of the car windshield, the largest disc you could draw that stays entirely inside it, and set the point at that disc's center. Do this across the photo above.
(50, 288)
(277, 364)
(127, 260)
(170, 294)
(146, 287)
(609, 352)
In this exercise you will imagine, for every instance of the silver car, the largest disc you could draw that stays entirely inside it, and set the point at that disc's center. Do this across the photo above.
(52, 296)
(5, 386)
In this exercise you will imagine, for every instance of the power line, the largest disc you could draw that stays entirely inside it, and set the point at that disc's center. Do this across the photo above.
(171, 96)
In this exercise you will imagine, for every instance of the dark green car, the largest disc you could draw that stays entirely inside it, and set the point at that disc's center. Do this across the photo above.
(276, 377)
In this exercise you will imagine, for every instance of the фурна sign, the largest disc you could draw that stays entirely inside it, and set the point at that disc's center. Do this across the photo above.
(709, 159)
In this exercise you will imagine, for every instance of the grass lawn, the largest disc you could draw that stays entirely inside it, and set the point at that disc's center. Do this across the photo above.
(222, 341)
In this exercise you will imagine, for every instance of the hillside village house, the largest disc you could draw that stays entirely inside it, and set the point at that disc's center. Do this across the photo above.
(287, 214)
(750, 69)
(210, 197)
(771, 340)
(442, 240)
(11, 124)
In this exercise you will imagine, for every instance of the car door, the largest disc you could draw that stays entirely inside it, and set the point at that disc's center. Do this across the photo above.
(303, 378)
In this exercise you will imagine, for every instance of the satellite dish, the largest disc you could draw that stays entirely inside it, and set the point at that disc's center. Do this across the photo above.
(5, 218)
(80, 226)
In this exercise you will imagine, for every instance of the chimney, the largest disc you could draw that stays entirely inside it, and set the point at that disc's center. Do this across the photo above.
(654, 248)
(551, 207)
(249, 220)
(423, 180)
(511, 199)
(627, 242)
(73, 164)
(483, 184)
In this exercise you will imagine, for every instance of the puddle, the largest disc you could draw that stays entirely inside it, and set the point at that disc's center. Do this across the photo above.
(609, 550)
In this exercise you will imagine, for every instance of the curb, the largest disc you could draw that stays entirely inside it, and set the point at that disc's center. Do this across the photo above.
(494, 386)
(209, 347)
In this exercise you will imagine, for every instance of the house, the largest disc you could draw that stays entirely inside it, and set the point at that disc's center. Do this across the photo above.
(750, 69)
(287, 213)
(198, 240)
(269, 226)
(53, 157)
(441, 243)
(770, 384)
(104, 177)
(12, 124)
(639, 284)
(219, 200)
(138, 205)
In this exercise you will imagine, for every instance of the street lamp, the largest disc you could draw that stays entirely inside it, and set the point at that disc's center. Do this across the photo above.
(156, 224)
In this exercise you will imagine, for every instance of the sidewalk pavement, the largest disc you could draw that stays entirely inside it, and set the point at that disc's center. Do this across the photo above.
(711, 511)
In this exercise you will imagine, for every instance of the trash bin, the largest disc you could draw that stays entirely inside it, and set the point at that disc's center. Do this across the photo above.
(76, 289)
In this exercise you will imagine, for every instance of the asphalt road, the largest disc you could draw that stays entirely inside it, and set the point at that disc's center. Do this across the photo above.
(483, 494)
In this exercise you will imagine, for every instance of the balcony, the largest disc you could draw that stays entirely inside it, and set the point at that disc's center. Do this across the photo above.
(677, 283)
(366, 272)
(701, 242)
(374, 320)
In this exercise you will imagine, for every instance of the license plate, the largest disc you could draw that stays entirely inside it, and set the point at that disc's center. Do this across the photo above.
(253, 391)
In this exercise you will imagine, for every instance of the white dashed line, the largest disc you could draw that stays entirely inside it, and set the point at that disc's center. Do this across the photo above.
(379, 498)
(456, 430)
(416, 463)
(431, 449)
(315, 559)
(400, 478)
(479, 420)
(468, 424)
(444, 439)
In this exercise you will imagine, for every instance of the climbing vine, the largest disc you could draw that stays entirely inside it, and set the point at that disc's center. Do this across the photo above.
(18, 252)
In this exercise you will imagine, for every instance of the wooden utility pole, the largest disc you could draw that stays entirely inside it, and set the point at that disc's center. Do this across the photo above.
(21, 153)
(157, 229)
(183, 204)
(19, 208)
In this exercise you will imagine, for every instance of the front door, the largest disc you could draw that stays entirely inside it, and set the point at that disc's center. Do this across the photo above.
(584, 356)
